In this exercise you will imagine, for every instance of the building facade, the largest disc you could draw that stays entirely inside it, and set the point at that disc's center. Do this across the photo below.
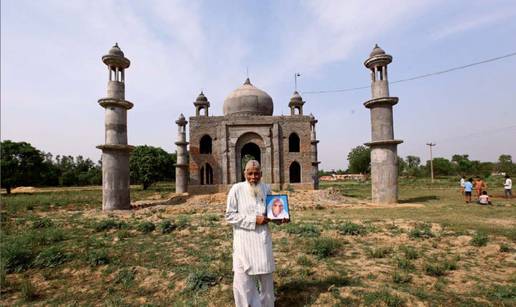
(220, 146)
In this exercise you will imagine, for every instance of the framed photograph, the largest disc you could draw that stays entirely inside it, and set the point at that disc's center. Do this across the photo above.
(277, 207)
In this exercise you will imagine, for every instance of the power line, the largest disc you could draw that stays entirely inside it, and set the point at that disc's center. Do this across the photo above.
(475, 134)
(417, 77)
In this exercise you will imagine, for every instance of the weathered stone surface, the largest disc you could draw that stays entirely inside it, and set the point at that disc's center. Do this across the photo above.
(384, 158)
(115, 151)
(233, 134)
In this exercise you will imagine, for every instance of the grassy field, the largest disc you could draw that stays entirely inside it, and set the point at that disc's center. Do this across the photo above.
(59, 248)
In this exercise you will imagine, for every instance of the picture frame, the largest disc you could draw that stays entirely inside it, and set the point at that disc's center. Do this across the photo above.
(277, 207)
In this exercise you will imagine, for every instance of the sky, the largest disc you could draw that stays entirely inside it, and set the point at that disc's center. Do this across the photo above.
(52, 74)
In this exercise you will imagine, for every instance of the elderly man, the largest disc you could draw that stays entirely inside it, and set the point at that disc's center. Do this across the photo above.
(252, 243)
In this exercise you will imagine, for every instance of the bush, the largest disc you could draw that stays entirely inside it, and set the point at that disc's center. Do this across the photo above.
(409, 252)
(479, 239)
(504, 248)
(380, 252)
(28, 291)
(351, 229)
(182, 221)
(324, 247)
(304, 261)
(42, 223)
(404, 264)
(3, 276)
(200, 280)
(125, 277)
(306, 230)
(401, 277)
(422, 231)
(146, 227)
(109, 224)
(98, 257)
(434, 269)
(17, 256)
(167, 227)
(50, 258)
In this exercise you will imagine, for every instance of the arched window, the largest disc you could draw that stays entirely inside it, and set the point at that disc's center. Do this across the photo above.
(205, 145)
(206, 174)
(293, 143)
(295, 172)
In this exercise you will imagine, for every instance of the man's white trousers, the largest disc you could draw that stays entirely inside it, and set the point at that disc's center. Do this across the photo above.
(246, 292)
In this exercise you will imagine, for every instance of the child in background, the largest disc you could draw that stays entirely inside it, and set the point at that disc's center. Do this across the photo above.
(468, 188)
(484, 199)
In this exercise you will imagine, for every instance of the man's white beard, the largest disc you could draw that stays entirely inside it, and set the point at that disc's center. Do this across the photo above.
(255, 190)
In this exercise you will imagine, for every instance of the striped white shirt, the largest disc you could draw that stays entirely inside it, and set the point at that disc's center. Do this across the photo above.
(252, 244)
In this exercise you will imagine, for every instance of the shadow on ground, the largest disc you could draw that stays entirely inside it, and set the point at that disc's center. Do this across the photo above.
(305, 292)
(419, 199)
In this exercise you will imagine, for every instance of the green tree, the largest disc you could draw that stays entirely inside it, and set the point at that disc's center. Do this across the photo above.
(151, 164)
(359, 159)
(462, 164)
(21, 164)
(413, 166)
(442, 167)
(505, 164)
(402, 166)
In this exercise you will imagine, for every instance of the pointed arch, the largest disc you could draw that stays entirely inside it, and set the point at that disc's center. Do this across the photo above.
(293, 142)
(206, 174)
(295, 172)
(205, 145)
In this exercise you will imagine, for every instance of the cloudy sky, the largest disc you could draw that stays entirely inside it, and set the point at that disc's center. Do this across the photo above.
(52, 74)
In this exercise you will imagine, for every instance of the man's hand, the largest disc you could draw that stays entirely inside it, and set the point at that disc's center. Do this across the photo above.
(261, 220)
(282, 221)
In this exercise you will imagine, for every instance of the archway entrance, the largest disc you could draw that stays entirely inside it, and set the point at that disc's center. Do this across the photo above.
(295, 172)
(249, 151)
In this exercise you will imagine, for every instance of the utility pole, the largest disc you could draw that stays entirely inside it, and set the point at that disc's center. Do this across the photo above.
(430, 145)
(295, 80)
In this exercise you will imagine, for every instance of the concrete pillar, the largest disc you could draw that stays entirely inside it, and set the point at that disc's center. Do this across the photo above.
(384, 157)
(115, 150)
(182, 156)
(315, 163)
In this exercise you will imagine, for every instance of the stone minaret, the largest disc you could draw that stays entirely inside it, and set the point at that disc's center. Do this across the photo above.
(384, 157)
(296, 103)
(313, 142)
(115, 151)
(182, 156)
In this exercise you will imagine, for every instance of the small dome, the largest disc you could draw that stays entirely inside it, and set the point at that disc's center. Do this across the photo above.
(248, 100)
(376, 51)
(201, 98)
(115, 50)
(296, 97)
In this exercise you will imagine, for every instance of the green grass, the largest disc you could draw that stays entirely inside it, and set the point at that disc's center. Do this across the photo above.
(383, 256)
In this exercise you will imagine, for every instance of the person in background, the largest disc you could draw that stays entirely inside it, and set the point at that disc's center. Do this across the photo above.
(480, 185)
(484, 199)
(507, 187)
(468, 189)
(462, 182)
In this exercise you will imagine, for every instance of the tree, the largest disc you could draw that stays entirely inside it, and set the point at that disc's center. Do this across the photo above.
(402, 166)
(462, 164)
(505, 164)
(359, 159)
(21, 164)
(442, 167)
(413, 166)
(151, 164)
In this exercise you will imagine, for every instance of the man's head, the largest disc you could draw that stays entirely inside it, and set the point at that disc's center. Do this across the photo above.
(277, 207)
(253, 172)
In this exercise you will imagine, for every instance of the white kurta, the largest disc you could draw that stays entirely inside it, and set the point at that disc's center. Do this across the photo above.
(252, 244)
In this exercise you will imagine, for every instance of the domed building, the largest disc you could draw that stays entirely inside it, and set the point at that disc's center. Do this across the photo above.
(220, 146)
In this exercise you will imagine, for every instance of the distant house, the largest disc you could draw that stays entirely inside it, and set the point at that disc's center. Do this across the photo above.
(344, 177)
